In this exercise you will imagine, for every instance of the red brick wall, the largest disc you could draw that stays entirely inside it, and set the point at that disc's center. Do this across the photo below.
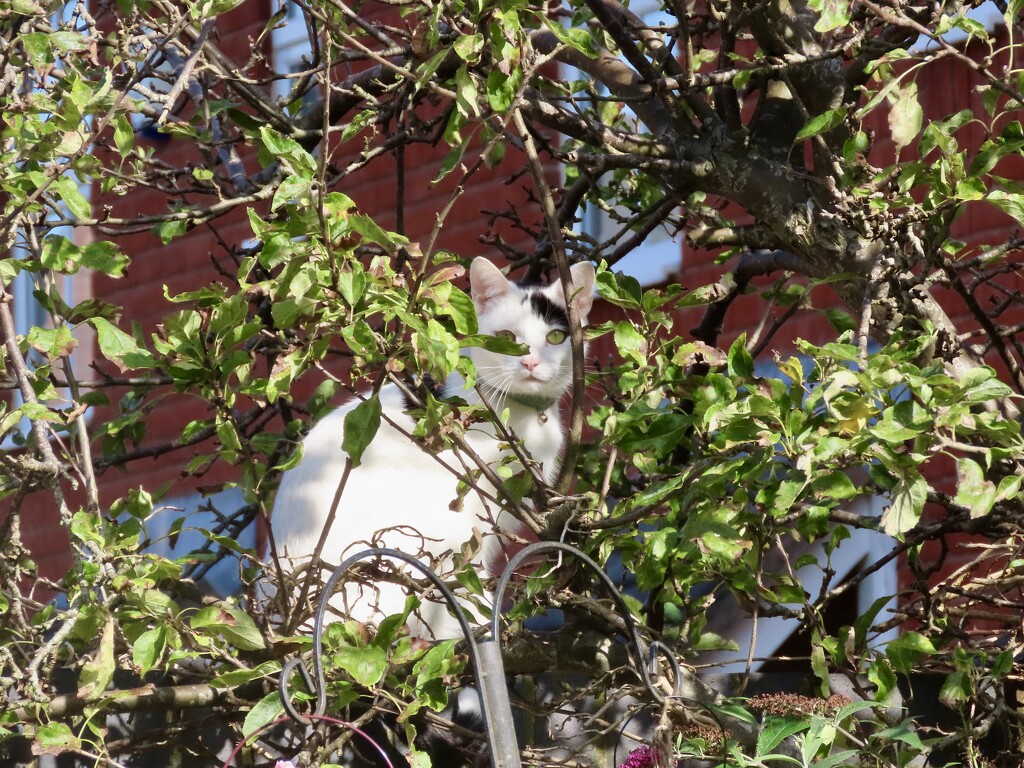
(185, 264)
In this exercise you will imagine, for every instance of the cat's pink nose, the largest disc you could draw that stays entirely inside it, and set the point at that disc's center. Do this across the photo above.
(529, 363)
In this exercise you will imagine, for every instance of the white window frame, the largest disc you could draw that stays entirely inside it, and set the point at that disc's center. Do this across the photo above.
(289, 42)
(659, 257)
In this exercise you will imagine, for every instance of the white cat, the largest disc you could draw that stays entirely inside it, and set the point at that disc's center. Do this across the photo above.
(400, 495)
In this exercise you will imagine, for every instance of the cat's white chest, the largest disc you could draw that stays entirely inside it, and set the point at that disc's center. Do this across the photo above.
(402, 497)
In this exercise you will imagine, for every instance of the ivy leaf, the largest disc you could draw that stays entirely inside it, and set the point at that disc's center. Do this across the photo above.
(361, 424)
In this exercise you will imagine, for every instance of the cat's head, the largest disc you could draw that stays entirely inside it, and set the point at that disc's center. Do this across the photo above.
(532, 315)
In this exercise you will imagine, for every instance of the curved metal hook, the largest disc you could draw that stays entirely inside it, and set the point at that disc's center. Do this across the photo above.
(317, 682)
(632, 635)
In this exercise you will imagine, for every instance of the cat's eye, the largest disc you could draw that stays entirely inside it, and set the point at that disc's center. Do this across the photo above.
(506, 335)
(556, 336)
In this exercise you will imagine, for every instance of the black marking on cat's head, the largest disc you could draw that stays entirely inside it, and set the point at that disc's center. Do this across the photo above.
(552, 313)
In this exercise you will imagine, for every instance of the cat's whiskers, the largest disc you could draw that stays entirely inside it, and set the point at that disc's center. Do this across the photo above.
(496, 390)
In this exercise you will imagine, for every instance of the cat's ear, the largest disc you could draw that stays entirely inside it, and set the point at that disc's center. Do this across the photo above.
(486, 282)
(583, 284)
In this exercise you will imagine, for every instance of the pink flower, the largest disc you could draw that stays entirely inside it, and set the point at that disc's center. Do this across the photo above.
(641, 757)
(284, 764)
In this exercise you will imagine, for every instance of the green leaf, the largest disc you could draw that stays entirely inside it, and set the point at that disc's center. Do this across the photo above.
(352, 284)
(881, 674)
(55, 343)
(431, 669)
(502, 88)
(904, 732)
(834, 14)
(956, 689)
(709, 641)
(361, 424)
(904, 511)
(1014, 9)
(741, 364)
(575, 37)
(54, 739)
(906, 117)
(373, 232)
(821, 733)
(236, 677)
(231, 623)
(822, 123)
(630, 342)
(1010, 203)
(104, 256)
(72, 197)
(168, 230)
(973, 490)
(264, 712)
(468, 47)
(97, 673)
(285, 147)
(908, 649)
(120, 348)
(466, 93)
(295, 190)
(620, 289)
(459, 307)
(124, 134)
(837, 758)
(211, 8)
(774, 730)
(366, 664)
(37, 46)
(148, 648)
(866, 619)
